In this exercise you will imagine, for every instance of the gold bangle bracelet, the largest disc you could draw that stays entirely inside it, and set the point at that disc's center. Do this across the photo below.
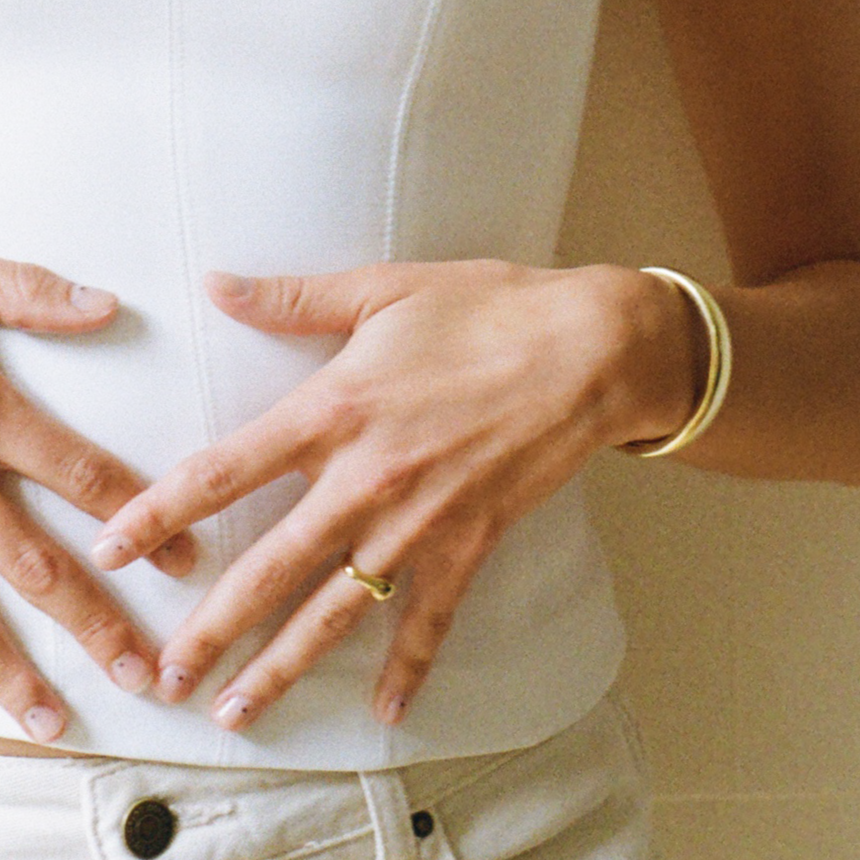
(719, 368)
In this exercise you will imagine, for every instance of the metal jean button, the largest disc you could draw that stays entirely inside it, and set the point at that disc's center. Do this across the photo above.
(148, 828)
(422, 824)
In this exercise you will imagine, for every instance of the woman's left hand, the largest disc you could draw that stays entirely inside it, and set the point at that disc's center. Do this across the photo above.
(466, 394)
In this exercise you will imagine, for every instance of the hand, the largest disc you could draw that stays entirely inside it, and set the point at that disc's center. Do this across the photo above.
(39, 447)
(466, 394)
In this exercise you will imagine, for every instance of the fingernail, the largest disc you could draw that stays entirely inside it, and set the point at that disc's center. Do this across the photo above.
(175, 684)
(91, 301)
(235, 713)
(112, 552)
(231, 286)
(44, 724)
(131, 672)
(176, 557)
(394, 711)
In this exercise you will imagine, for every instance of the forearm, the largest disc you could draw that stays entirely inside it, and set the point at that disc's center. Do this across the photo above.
(793, 408)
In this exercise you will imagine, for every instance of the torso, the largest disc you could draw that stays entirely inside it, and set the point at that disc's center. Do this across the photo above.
(154, 141)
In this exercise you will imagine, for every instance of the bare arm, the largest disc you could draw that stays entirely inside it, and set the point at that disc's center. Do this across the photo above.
(775, 116)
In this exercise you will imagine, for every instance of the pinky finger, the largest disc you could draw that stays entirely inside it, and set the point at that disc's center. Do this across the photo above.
(26, 697)
(438, 585)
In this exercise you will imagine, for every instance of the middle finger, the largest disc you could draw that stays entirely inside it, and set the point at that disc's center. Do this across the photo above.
(258, 583)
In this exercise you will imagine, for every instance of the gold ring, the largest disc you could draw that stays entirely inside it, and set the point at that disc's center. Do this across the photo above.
(381, 589)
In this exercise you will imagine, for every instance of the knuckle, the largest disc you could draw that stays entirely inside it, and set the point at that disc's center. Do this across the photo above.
(344, 413)
(336, 623)
(18, 681)
(380, 272)
(290, 297)
(498, 270)
(267, 587)
(34, 572)
(415, 666)
(438, 623)
(272, 680)
(29, 283)
(393, 481)
(90, 477)
(149, 521)
(216, 474)
(98, 628)
(205, 648)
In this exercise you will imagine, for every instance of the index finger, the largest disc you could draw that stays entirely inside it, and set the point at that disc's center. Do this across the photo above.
(204, 484)
(38, 446)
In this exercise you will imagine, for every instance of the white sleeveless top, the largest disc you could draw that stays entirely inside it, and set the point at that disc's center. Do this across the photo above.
(144, 142)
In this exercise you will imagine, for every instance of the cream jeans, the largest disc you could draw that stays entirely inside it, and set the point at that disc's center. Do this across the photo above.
(580, 795)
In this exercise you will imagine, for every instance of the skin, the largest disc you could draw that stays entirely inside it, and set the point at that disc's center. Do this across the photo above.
(37, 446)
(460, 379)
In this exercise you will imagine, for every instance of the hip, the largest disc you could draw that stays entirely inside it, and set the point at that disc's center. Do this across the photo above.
(580, 795)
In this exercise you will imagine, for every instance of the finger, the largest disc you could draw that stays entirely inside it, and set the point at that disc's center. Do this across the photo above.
(25, 695)
(255, 586)
(339, 605)
(316, 304)
(442, 573)
(211, 480)
(47, 577)
(43, 449)
(321, 623)
(36, 299)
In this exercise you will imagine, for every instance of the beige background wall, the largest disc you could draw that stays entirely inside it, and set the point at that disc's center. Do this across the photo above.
(741, 598)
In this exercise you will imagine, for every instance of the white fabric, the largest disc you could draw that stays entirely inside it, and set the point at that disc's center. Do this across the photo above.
(145, 142)
(579, 796)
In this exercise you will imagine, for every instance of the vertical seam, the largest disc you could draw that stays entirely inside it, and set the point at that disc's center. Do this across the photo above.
(176, 61)
(388, 807)
(402, 124)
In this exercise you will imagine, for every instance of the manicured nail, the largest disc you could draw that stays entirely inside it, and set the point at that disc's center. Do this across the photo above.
(175, 684)
(393, 712)
(112, 552)
(235, 713)
(231, 286)
(91, 301)
(176, 557)
(131, 672)
(44, 724)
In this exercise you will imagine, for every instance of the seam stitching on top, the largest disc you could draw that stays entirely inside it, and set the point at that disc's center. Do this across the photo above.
(176, 61)
(402, 124)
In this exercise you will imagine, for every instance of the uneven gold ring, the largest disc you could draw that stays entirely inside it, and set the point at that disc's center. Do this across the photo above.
(381, 589)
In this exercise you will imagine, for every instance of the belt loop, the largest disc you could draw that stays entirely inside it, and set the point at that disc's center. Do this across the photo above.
(390, 815)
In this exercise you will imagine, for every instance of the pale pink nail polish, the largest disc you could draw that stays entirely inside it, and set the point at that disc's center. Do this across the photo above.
(131, 672)
(394, 711)
(44, 724)
(91, 301)
(112, 551)
(232, 286)
(234, 713)
(175, 683)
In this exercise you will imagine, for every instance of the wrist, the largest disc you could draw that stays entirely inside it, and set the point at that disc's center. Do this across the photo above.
(664, 364)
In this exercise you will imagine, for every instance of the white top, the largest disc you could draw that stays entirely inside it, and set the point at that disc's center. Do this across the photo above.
(143, 143)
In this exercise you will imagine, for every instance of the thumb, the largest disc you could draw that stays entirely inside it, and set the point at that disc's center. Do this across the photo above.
(36, 299)
(317, 304)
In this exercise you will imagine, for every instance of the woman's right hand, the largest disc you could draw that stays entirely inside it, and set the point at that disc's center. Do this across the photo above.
(34, 445)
